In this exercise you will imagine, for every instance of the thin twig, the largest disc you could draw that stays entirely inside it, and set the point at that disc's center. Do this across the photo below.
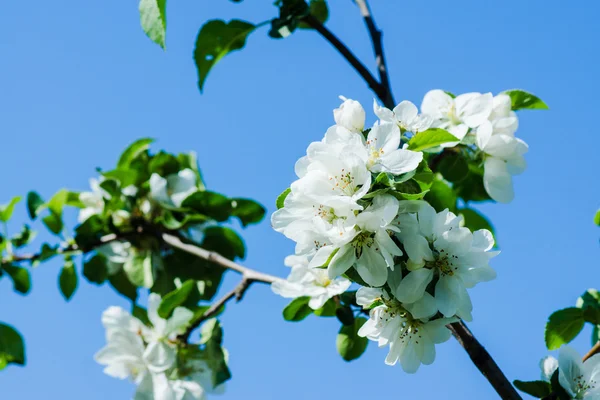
(593, 351)
(484, 361)
(247, 273)
(375, 34)
(377, 87)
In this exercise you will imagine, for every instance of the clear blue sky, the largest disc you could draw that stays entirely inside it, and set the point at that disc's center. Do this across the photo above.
(79, 81)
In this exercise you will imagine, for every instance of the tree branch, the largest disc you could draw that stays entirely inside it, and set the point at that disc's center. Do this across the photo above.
(484, 361)
(388, 99)
(375, 86)
(593, 351)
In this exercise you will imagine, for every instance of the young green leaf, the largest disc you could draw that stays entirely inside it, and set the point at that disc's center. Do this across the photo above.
(174, 299)
(122, 285)
(139, 269)
(319, 10)
(12, 347)
(453, 166)
(280, 202)
(20, 277)
(35, 204)
(562, 327)
(211, 204)
(521, 99)
(6, 210)
(441, 196)
(211, 336)
(538, 389)
(24, 237)
(430, 138)
(597, 218)
(215, 40)
(348, 343)
(133, 151)
(153, 17)
(68, 279)
(297, 310)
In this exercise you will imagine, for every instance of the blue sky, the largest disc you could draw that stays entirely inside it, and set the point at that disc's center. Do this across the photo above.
(79, 81)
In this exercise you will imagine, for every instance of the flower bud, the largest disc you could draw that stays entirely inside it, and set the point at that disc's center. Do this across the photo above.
(350, 115)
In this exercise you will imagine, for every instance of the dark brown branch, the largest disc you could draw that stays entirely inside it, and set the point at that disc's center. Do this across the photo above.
(484, 361)
(388, 98)
(375, 86)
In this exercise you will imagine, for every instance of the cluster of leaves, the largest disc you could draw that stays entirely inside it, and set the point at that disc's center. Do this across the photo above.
(349, 345)
(217, 38)
(124, 209)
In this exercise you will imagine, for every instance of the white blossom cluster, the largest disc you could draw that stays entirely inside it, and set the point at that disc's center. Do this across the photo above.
(489, 123)
(147, 355)
(581, 380)
(415, 264)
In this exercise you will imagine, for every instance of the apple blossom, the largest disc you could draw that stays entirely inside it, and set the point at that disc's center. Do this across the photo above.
(579, 379)
(405, 115)
(457, 115)
(93, 201)
(311, 282)
(350, 114)
(175, 188)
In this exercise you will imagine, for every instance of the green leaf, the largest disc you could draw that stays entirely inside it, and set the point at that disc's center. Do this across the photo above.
(562, 327)
(348, 343)
(474, 220)
(538, 389)
(248, 211)
(53, 222)
(521, 99)
(211, 335)
(430, 138)
(153, 16)
(58, 201)
(597, 218)
(24, 237)
(471, 188)
(453, 166)
(349, 298)
(280, 202)
(35, 204)
(140, 313)
(95, 269)
(12, 347)
(139, 269)
(215, 40)
(211, 204)
(175, 299)
(297, 310)
(20, 277)
(319, 10)
(68, 279)
(133, 151)
(224, 241)
(409, 190)
(595, 334)
(345, 315)
(557, 390)
(441, 196)
(164, 164)
(328, 309)
(47, 252)
(121, 284)
(88, 234)
(589, 302)
(6, 210)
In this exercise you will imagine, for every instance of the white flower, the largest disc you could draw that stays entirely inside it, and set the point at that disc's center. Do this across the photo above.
(161, 350)
(580, 379)
(175, 188)
(382, 152)
(93, 201)
(126, 357)
(504, 120)
(438, 246)
(116, 253)
(405, 115)
(548, 365)
(370, 249)
(412, 341)
(350, 115)
(504, 158)
(457, 115)
(311, 282)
